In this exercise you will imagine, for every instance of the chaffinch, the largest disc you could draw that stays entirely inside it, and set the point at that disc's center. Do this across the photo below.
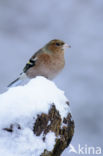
(47, 62)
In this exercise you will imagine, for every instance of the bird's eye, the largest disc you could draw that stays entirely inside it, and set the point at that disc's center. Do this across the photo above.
(57, 44)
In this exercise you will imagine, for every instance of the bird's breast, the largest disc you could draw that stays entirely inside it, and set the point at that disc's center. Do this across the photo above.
(53, 66)
(47, 66)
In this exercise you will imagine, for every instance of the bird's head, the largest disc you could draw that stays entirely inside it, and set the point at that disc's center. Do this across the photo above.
(57, 45)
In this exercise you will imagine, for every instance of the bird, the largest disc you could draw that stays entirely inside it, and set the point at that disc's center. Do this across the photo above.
(47, 62)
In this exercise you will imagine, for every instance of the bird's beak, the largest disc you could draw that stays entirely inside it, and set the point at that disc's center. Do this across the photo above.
(66, 46)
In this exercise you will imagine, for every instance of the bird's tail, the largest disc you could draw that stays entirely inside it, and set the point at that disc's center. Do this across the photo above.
(18, 81)
(14, 83)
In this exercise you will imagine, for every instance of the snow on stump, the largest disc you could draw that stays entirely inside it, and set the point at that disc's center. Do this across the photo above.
(35, 120)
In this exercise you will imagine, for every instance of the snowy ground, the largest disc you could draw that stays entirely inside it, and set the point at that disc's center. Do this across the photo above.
(25, 26)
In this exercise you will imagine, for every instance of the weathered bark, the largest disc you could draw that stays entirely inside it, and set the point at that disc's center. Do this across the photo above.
(63, 130)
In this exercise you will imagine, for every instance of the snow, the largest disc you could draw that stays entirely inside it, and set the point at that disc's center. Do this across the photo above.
(20, 105)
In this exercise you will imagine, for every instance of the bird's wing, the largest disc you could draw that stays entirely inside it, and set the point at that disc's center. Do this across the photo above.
(32, 61)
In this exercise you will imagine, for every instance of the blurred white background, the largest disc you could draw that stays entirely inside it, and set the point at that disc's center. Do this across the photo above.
(26, 25)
